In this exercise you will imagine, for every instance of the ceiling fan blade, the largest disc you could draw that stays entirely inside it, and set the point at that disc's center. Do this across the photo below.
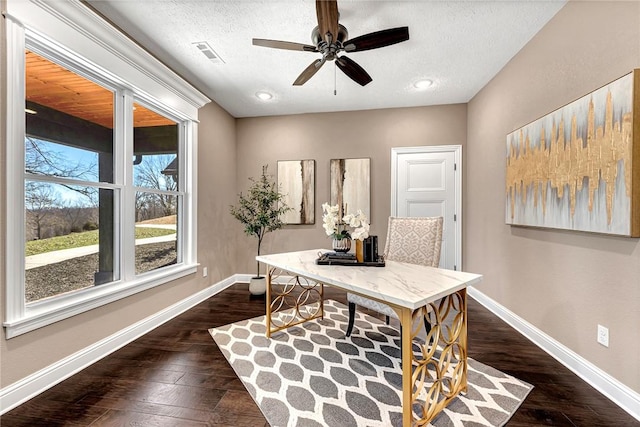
(309, 72)
(277, 44)
(327, 12)
(378, 39)
(353, 70)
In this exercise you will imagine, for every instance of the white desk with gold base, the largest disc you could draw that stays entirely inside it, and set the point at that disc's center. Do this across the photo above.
(435, 374)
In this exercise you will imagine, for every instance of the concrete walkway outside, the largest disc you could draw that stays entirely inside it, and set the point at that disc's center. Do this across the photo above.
(53, 257)
(164, 226)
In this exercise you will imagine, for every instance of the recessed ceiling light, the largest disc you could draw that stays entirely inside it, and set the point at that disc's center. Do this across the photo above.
(423, 84)
(265, 96)
(30, 111)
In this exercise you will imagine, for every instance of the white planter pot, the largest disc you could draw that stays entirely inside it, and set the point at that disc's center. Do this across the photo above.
(258, 285)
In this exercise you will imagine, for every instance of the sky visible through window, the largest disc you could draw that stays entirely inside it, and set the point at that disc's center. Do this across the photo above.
(83, 162)
(53, 159)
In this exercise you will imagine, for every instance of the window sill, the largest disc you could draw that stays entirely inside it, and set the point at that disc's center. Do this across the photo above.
(45, 313)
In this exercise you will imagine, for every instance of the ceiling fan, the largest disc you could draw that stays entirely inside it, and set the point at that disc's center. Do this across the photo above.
(330, 38)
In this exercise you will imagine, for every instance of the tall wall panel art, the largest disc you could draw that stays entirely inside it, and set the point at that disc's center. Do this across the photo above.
(350, 184)
(296, 180)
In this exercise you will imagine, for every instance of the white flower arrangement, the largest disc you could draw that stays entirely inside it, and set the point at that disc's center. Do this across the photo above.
(336, 227)
(360, 224)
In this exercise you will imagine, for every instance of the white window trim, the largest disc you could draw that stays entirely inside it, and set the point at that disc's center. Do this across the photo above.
(74, 30)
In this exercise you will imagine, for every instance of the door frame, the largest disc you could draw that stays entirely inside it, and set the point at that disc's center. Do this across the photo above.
(457, 154)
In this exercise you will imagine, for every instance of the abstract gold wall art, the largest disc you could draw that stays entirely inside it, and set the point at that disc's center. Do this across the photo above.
(578, 168)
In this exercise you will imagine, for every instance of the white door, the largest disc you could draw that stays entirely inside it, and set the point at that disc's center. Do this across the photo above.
(426, 181)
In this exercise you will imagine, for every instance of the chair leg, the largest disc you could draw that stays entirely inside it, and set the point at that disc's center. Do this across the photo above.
(352, 317)
(427, 328)
(427, 325)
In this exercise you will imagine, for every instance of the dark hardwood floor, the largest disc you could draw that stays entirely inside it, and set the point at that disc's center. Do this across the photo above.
(176, 376)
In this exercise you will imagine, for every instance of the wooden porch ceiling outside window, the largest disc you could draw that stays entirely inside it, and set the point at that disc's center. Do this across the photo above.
(55, 87)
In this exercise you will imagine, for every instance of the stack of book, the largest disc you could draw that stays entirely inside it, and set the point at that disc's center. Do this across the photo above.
(339, 256)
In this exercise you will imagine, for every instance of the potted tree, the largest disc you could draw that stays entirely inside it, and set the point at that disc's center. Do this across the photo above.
(260, 211)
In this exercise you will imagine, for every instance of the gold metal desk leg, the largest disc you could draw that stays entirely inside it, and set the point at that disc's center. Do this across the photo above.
(436, 373)
(407, 371)
(463, 338)
(268, 301)
(295, 300)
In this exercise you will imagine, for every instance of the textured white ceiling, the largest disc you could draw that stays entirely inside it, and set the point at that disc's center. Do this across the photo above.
(459, 45)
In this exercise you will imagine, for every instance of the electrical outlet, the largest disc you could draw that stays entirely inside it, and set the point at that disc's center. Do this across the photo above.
(603, 335)
(205, 272)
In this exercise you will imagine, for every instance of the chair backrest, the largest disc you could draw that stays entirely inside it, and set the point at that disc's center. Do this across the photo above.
(414, 240)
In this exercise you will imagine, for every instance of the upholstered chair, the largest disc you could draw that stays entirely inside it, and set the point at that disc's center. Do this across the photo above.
(410, 240)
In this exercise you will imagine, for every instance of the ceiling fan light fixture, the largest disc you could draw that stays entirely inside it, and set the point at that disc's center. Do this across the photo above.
(330, 38)
(264, 95)
(423, 84)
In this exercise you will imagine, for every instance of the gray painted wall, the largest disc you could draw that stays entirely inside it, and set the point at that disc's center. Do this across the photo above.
(564, 283)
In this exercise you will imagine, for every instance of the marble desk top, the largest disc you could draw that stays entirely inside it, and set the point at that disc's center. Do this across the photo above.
(402, 284)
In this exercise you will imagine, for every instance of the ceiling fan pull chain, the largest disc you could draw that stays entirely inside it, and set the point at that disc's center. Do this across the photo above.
(335, 79)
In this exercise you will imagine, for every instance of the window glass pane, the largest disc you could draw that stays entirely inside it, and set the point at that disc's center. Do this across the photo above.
(52, 159)
(156, 168)
(156, 172)
(156, 236)
(69, 238)
(74, 116)
(155, 146)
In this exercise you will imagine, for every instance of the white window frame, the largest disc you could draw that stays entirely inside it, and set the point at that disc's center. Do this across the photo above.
(76, 37)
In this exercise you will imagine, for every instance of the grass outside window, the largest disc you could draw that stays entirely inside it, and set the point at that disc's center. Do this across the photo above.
(86, 238)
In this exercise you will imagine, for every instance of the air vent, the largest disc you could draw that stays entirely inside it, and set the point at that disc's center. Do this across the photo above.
(208, 52)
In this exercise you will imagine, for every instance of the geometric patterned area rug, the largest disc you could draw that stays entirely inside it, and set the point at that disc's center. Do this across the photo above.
(311, 375)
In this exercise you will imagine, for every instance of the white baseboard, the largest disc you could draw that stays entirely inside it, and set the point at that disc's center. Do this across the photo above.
(34, 384)
(242, 278)
(618, 393)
